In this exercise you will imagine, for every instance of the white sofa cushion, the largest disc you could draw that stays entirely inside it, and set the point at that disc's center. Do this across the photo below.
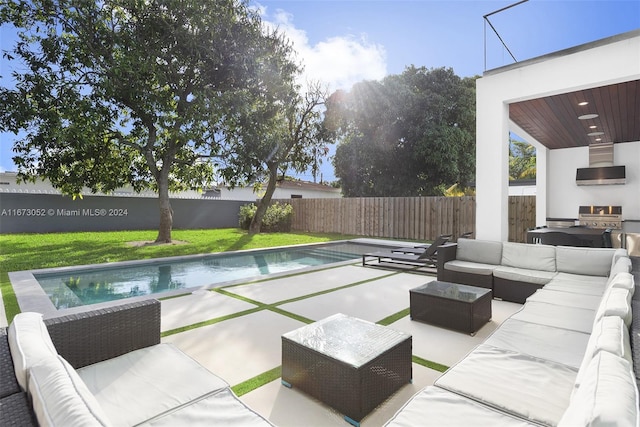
(30, 343)
(608, 395)
(621, 265)
(60, 398)
(436, 407)
(529, 257)
(567, 299)
(532, 388)
(609, 334)
(536, 277)
(480, 251)
(470, 267)
(586, 261)
(148, 382)
(616, 302)
(572, 318)
(542, 341)
(220, 408)
(622, 281)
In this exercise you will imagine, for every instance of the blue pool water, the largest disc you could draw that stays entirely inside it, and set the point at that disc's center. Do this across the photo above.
(89, 286)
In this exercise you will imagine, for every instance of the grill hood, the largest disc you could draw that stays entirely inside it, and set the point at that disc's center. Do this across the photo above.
(601, 170)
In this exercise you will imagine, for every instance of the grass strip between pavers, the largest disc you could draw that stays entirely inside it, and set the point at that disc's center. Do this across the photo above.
(257, 381)
(429, 364)
(209, 322)
(275, 373)
(394, 317)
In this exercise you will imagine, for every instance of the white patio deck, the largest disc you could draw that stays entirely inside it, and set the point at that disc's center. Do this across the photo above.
(240, 348)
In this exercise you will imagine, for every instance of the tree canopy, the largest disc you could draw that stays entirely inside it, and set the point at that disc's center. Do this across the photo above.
(139, 92)
(411, 134)
(522, 160)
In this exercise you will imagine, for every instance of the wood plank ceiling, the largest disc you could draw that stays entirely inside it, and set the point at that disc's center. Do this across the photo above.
(554, 122)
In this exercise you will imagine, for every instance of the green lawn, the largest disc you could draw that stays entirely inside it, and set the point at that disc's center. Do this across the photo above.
(33, 251)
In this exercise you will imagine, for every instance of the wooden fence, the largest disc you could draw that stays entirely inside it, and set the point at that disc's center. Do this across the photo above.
(411, 218)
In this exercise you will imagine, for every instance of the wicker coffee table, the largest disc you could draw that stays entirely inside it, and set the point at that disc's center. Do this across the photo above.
(450, 305)
(350, 364)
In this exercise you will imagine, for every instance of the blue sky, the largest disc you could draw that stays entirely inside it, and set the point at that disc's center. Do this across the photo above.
(343, 42)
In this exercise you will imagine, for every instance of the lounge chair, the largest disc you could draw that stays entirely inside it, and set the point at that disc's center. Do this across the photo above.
(419, 256)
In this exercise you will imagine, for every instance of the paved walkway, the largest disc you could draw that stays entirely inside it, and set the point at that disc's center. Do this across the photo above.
(242, 347)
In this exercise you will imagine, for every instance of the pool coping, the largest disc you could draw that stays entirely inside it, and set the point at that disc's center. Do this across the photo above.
(32, 297)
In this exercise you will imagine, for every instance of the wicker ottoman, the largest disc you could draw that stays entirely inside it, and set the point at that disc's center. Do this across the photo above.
(450, 305)
(350, 364)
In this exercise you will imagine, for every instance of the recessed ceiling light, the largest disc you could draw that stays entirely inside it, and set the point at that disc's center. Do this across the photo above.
(583, 103)
(587, 116)
(593, 127)
(595, 133)
(598, 139)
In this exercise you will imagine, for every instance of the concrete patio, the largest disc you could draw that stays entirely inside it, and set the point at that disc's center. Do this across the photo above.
(243, 347)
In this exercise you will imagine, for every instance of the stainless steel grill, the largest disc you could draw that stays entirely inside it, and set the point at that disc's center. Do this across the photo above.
(601, 217)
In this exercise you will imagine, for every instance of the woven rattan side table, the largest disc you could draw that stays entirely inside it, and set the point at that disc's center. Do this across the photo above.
(350, 364)
(450, 305)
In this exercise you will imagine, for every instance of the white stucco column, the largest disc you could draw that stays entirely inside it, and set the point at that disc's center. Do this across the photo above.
(492, 163)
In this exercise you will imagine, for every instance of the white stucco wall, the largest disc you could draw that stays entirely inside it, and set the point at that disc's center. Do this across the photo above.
(600, 63)
(564, 196)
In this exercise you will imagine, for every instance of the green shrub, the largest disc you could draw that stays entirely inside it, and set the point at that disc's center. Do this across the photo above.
(276, 219)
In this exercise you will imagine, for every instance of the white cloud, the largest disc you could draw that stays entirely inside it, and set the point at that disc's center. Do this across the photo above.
(337, 62)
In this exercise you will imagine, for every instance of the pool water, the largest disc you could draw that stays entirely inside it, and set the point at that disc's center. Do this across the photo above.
(89, 286)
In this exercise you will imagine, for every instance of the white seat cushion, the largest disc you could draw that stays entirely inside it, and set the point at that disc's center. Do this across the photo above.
(470, 267)
(531, 388)
(536, 277)
(60, 398)
(220, 408)
(567, 299)
(140, 385)
(436, 407)
(608, 396)
(575, 319)
(29, 343)
(546, 342)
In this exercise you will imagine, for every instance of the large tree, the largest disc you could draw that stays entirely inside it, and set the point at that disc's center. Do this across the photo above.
(140, 92)
(407, 135)
(291, 138)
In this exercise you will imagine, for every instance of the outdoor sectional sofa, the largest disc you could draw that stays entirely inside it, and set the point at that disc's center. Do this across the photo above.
(514, 271)
(108, 367)
(568, 357)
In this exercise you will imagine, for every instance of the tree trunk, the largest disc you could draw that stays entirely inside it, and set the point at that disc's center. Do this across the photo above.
(166, 213)
(256, 222)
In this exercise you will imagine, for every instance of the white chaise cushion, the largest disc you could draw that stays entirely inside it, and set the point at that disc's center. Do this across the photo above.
(616, 302)
(609, 334)
(148, 382)
(608, 396)
(480, 251)
(60, 398)
(29, 343)
(586, 261)
(529, 257)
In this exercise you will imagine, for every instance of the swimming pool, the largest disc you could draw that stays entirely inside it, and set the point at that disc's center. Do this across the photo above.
(97, 284)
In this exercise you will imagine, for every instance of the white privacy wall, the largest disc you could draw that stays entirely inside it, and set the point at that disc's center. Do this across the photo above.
(608, 61)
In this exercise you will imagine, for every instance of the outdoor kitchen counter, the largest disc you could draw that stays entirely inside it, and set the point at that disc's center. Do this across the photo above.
(591, 234)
